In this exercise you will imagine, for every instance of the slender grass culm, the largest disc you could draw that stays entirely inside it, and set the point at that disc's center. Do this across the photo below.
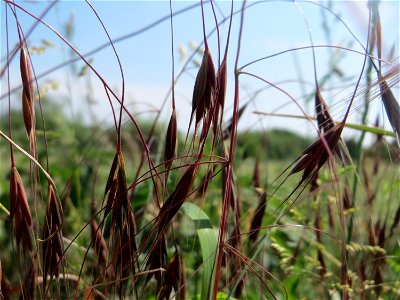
(205, 150)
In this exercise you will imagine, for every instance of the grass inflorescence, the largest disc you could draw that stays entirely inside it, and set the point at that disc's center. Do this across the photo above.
(140, 209)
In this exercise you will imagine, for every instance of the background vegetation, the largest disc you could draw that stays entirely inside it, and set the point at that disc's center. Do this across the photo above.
(137, 208)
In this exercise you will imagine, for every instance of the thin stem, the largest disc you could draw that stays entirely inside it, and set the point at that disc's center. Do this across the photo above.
(8, 92)
(173, 57)
(204, 26)
(122, 76)
(228, 180)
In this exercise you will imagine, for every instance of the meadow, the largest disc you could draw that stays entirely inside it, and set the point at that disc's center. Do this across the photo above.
(105, 195)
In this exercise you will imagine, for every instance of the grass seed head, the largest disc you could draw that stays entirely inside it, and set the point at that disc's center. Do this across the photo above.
(117, 191)
(204, 87)
(256, 221)
(5, 286)
(171, 144)
(391, 106)
(157, 259)
(324, 119)
(177, 198)
(99, 243)
(315, 156)
(205, 182)
(29, 285)
(27, 92)
(174, 279)
(228, 129)
(20, 214)
(52, 236)
(256, 175)
(26, 74)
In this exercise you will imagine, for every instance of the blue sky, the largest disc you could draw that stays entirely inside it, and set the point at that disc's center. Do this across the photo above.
(269, 27)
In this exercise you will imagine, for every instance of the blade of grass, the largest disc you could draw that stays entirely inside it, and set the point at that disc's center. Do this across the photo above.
(364, 128)
(27, 155)
(208, 244)
(4, 209)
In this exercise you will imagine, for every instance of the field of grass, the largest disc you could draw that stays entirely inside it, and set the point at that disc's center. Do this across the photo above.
(139, 208)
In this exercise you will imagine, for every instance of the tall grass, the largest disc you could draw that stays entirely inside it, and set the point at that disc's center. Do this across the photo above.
(136, 209)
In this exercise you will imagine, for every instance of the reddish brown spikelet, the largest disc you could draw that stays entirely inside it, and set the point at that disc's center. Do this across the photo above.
(99, 243)
(177, 198)
(113, 173)
(370, 193)
(391, 106)
(29, 284)
(204, 87)
(182, 276)
(205, 182)
(52, 236)
(20, 214)
(157, 259)
(220, 94)
(227, 131)
(347, 203)
(174, 279)
(27, 91)
(117, 198)
(26, 74)
(256, 221)
(256, 175)
(331, 221)
(5, 287)
(315, 156)
(324, 119)
(171, 141)
(206, 128)
(128, 246)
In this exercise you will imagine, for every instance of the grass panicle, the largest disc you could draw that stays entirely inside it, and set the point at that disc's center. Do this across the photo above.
(208, 211)
(315, 156)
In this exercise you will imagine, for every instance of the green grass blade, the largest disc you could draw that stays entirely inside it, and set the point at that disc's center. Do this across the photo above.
(4, 209)
(365, 128)
(208, 243)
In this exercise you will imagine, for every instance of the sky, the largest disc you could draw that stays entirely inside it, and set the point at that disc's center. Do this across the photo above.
(269, 27)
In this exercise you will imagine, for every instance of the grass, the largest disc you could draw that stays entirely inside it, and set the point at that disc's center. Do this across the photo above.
(138, 209)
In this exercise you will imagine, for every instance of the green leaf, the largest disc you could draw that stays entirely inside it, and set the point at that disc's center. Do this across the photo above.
(364, 128)
(208, 243)
(4, 209)
(223, 296)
